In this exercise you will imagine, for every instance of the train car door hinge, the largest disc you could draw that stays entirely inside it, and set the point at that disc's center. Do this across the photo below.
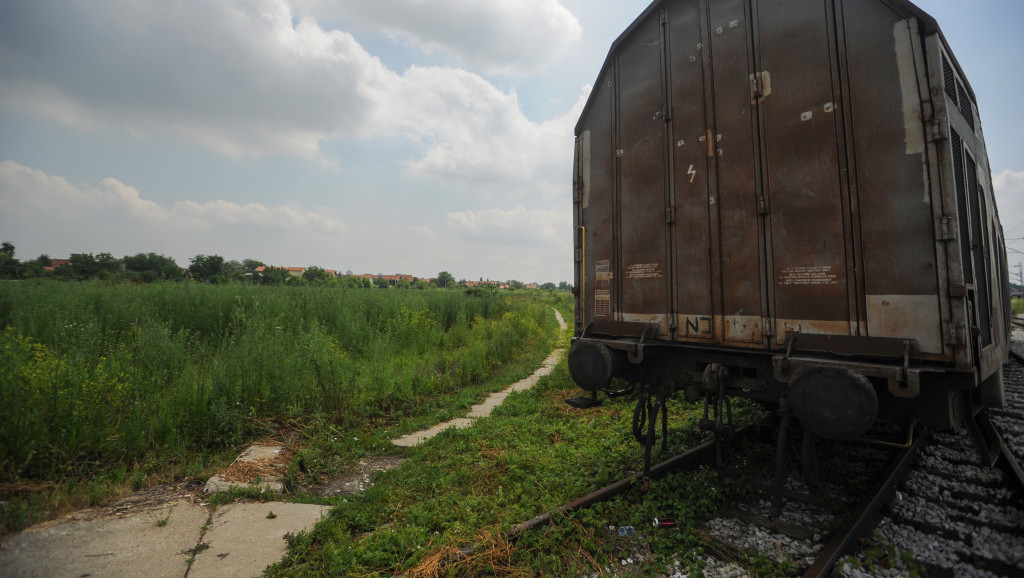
(670, 215)
(666, 113)
(944, 229)
(762, 202)
(760, 86)
(768, 327)
(955, 333)
(937, 131)
(579, 255)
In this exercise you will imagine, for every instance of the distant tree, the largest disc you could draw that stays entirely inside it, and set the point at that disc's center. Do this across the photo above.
(564, 286)
(82, 266)
(445, 280)
(420, 284)
(404, 284)
(273, 276)
(37, 266)
(549, 286)
(233, 270)
(350, 282)
(108, 264)
(206, 268)
(317, 276)
(250, 266)
(10, 268)
(380, 282)
(149, 267)
(513, 284)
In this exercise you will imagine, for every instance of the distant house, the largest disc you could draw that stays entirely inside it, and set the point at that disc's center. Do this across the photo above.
(297, 271)
(54, 263)
(394, 280)
(531, 286)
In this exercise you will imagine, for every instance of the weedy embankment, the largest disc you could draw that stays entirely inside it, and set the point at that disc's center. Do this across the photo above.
(107, 388)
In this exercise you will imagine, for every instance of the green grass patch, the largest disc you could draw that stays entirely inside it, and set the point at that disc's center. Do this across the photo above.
(110, 387)
(469, 487)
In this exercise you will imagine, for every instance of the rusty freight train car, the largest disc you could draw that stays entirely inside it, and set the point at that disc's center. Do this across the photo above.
(790, 201)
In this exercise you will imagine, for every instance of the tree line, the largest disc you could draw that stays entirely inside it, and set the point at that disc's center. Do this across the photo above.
(151, 267)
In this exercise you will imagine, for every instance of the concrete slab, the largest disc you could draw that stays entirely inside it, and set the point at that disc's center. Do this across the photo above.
(485, 408)
(418, 437)
(260, 466)
(244, 538)
(136, 545)
(545, 368)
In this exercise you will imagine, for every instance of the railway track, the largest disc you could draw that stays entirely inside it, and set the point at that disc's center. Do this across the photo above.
(927, 507)
(934, 509)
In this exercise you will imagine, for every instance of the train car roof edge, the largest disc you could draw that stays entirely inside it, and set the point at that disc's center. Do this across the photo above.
(905, 6)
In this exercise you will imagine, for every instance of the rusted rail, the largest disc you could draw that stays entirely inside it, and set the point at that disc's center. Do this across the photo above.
(1007, 459)
(701, 455)
(869, 511)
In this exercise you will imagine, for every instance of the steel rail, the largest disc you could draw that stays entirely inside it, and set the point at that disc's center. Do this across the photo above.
(1009, 461)
(701, 455)
(868, 512)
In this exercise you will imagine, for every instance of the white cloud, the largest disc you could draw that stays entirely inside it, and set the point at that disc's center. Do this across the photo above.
(518, 227)
(58, 217)
(488, 144)
(508, 37)
(1009, 190)
(254, 79)
(43, 213)
(240, 79)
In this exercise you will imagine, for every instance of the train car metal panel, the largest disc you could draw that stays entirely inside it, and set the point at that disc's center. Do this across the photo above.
(805, 205)
(690, 210)
(642, 171)
(774, 187)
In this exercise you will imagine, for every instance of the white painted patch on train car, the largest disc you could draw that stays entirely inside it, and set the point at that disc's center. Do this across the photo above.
(907, 317)
(661, 319)
(585, 167)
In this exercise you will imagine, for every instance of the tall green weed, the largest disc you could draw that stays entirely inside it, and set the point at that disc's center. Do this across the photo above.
(95, 375)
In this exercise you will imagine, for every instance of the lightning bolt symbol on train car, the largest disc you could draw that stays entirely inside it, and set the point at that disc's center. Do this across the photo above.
(692, 173)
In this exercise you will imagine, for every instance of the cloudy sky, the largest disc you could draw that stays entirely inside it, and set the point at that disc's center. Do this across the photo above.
(378, 136)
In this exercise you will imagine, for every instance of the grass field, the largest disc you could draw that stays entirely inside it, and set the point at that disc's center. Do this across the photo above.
(106, 384)
(109, 388)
